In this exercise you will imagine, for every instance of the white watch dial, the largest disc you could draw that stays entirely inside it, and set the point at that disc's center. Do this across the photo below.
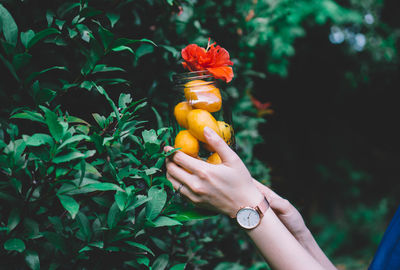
(248, 218)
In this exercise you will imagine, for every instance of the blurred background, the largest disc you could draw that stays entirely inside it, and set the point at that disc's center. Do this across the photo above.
(314, 99)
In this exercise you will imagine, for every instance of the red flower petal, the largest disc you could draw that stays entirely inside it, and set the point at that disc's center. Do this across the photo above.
(218, 57)
(223, 73)
(215, 59)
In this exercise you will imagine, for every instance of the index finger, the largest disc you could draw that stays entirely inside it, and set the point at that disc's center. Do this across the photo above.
(190, 163)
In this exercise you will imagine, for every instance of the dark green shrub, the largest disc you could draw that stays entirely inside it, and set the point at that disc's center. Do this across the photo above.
(84, 97)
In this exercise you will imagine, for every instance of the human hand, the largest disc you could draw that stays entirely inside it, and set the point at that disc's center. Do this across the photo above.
(225, 187)
(285, 211)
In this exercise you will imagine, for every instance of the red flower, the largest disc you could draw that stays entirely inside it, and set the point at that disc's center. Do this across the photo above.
(263, 108)
(214, 59)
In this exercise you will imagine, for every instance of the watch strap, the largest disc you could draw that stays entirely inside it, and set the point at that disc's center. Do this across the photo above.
(262, 207)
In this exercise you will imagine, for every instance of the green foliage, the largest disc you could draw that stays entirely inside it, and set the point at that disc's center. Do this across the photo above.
(84, 104)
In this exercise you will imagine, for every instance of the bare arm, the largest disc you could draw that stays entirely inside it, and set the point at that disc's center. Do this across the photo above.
(294, 222)
(227, 187)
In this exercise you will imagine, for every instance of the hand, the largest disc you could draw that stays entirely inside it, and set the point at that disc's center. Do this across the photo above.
(285, 211)
(225, 187)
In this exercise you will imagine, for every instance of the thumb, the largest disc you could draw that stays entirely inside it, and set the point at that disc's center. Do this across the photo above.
(266, 191)
(218, 144)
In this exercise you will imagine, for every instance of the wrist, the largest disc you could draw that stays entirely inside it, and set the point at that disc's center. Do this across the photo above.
(304, 236)
(250, 198)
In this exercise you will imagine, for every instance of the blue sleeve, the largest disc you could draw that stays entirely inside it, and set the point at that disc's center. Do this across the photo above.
(387, 256)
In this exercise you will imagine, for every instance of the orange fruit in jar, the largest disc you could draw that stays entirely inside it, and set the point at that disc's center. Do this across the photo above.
(181, 111)
(199, 119)
(187, 142)
(214, 159)
(203, 95)
(226, 131)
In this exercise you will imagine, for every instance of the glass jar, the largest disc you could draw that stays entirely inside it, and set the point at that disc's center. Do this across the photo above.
(199, 101)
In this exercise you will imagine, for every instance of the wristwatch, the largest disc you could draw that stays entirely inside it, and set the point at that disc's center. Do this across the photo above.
(249, 217)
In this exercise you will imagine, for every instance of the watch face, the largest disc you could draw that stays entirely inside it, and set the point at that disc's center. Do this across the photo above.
(248, 218)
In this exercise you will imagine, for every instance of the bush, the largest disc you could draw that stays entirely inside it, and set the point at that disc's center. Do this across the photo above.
(84, 105)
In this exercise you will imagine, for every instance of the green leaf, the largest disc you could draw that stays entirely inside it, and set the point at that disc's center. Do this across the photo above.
(73, 139)
(180, 266)
(17, 184)
(69, 204)
(113, 17)
(151, 171)
(161, 262)
(165, 221)
(49, 17)
(68, 157)
(102, 91)
(142, 260)
(158, 198)
(33, 75)
(106, 37)
(229, 266)
(72, 33)
(144, 49)
(10, 68)
(104, 187)
(13, 219)
(140, 199)
(55, 127)
(124, 100)
(98, 244)
(10, 28)
(189, 212)
(14, 244)
(21, 60)
(170, 2)
(85, 248)
(105, 68)
(67, 7)
(150, 136)
(84, 225)
(57, 240)
(172, 50)
(74, 119)
(140, 246)
(101, 120)
(26, 37)
(60, 23)
(38, 139)
(121, 198)
(32, 260)
(113, 216)
(33, 116)
(123, 48)
(127, 41)
(40, 35)
(42, 95)
(31, 229)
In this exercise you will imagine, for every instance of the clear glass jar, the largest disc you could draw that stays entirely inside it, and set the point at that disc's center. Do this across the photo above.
(199, 101)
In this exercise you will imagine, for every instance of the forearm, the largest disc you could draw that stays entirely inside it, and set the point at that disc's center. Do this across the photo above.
(278, 246)
(306, 239)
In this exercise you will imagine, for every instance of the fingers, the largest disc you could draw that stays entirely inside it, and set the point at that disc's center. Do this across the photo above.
(190, 163)
(277, 203)
(226, 154)
(181, 175)
(266, 191)
(183, 189)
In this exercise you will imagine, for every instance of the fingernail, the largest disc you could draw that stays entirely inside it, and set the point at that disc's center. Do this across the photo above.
(208, 132)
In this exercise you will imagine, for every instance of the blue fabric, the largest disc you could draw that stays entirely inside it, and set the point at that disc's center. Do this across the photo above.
(388, 255)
